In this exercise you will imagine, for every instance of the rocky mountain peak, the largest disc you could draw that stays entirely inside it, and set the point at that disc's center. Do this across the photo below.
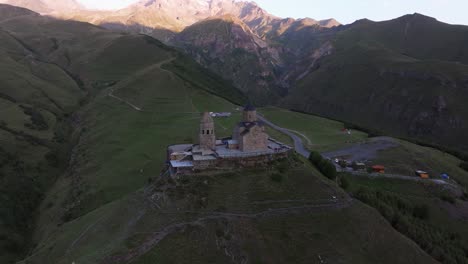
(163, 18)
(329, 23)
(46, 6)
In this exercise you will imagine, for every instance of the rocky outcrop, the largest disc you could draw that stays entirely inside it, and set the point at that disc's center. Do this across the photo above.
(249, 46)
(227, 46)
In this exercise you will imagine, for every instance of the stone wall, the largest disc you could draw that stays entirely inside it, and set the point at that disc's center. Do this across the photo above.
(234, 163)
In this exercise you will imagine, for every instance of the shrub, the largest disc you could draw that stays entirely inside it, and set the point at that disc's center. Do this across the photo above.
(464, 165)
(421, 212)
(219, 232)
(326, 167)
(445, 196)
(38, 121)
(465, 198)
(283, 166)
(52, 159)
(315, 157)
(410, 219)
(276, 177)
(344, 183)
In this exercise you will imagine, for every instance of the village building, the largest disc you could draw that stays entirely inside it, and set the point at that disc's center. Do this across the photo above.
(378, 169)
(249, 146)
(222, 114)
(422, 174)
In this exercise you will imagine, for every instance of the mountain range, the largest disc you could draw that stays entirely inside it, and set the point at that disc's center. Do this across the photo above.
(46, 6)
(303, 64)
(154, 17)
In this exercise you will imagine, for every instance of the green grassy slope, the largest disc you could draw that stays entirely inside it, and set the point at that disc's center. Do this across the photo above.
(109, 204)
(51, 68)
(36, 98)
(121, 148)
(367, 82)
(324, 134)
(126, 230)
(433, 215)
(422, 211)
(415, 35)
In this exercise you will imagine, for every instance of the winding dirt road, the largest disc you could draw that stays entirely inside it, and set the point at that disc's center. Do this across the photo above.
(129, 80)
(361, 151)
(298, 144)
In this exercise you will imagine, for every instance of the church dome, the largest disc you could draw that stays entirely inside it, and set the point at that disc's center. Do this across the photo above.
(249, 107)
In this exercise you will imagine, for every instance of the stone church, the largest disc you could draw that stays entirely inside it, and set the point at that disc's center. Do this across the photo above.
(249, 146)
(249, 135)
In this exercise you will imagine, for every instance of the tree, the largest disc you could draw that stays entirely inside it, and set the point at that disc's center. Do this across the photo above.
(344, 183)
(315, 157)
(327, 168)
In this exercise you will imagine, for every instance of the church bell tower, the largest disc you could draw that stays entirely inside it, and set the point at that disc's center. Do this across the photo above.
(207, 132)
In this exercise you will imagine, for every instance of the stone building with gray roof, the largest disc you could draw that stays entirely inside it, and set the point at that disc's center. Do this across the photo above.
(249, 146)
(250, 133)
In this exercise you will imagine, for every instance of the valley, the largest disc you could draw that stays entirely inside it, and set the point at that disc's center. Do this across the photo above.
(412, 86)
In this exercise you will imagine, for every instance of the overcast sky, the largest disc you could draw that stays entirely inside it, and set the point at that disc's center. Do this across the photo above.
(345, 11)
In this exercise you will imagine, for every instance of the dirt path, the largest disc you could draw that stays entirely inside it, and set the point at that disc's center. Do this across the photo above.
(82, 234)
(155, 238)
(110, 91)
(111, 94)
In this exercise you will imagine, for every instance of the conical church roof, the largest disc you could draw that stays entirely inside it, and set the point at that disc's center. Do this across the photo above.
(249, 107)
(206, 118)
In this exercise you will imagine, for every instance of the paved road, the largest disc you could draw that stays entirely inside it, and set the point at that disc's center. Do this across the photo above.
(298, 144)
(387, 142)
